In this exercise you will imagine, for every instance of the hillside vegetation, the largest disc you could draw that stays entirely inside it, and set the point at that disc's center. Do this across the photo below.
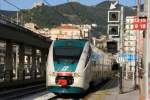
(76, 13)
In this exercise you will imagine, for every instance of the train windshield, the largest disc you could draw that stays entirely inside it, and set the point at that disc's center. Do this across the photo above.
(66, 50)
(66, 54)
(72, 53)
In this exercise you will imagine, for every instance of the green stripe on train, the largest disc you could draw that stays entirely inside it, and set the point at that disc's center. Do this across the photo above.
(65, 67)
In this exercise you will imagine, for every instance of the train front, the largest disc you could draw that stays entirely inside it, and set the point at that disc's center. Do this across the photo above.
(63, 59)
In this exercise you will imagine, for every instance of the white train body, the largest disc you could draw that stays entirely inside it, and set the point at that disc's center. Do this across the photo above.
(73, 64)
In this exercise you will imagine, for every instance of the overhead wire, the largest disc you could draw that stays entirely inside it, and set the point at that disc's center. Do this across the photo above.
(19, 9)
(17, 22)
(57, 11)
(12, 4)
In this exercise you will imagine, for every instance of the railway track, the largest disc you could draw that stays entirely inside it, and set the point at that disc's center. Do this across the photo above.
(16, 93)
(45, 95)
(85, 96)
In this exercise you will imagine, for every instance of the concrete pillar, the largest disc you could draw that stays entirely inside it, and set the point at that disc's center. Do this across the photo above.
(21, 71)
(14, 60)
(14, 65)
(9, 62)
(17, 60)
(43, 62)
(33, 68)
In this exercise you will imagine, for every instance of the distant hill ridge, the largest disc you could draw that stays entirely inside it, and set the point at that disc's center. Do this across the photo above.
(73, 12)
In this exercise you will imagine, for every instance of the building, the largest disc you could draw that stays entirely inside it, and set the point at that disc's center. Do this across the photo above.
(100, 42)
(133, 45)
(85, 29)
(66, 31)
(33, 27)
(38, 4)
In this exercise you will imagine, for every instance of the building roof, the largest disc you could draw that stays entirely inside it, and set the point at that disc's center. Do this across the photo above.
(67, 26)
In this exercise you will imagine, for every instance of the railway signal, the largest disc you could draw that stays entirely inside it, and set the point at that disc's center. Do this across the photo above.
(113, 6)
(112, 47)
(113, 23)
(113, 29)
(115, 32)
(113, 16)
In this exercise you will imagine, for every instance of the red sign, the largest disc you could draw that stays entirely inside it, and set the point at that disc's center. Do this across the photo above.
(140, 23)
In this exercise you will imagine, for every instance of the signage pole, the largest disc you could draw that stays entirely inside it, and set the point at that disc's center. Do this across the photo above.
(121, 49)
(147, 50)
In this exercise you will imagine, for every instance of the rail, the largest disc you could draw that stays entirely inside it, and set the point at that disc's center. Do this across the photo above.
(15, 93)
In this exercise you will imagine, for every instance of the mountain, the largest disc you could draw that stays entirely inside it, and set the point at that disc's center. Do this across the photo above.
(73, 12)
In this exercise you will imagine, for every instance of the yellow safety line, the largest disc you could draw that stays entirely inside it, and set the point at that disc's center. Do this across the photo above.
(99, 95)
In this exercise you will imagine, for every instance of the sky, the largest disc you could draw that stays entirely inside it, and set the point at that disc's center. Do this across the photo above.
(26, 4)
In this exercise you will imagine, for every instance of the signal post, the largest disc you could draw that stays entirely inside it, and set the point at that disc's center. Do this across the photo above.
(115, 32)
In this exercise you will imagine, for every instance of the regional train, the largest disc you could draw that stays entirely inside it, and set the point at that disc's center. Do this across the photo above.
(74, 64)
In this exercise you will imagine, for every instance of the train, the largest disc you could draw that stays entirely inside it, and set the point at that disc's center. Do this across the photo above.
(73, 65)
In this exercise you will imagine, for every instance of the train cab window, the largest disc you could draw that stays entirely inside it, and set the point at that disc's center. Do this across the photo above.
(69, 54)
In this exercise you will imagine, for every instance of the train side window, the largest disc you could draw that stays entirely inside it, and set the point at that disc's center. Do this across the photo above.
(88, 56)
(89, 51)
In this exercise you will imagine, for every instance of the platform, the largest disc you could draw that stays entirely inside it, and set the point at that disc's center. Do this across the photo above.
(111, 92)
